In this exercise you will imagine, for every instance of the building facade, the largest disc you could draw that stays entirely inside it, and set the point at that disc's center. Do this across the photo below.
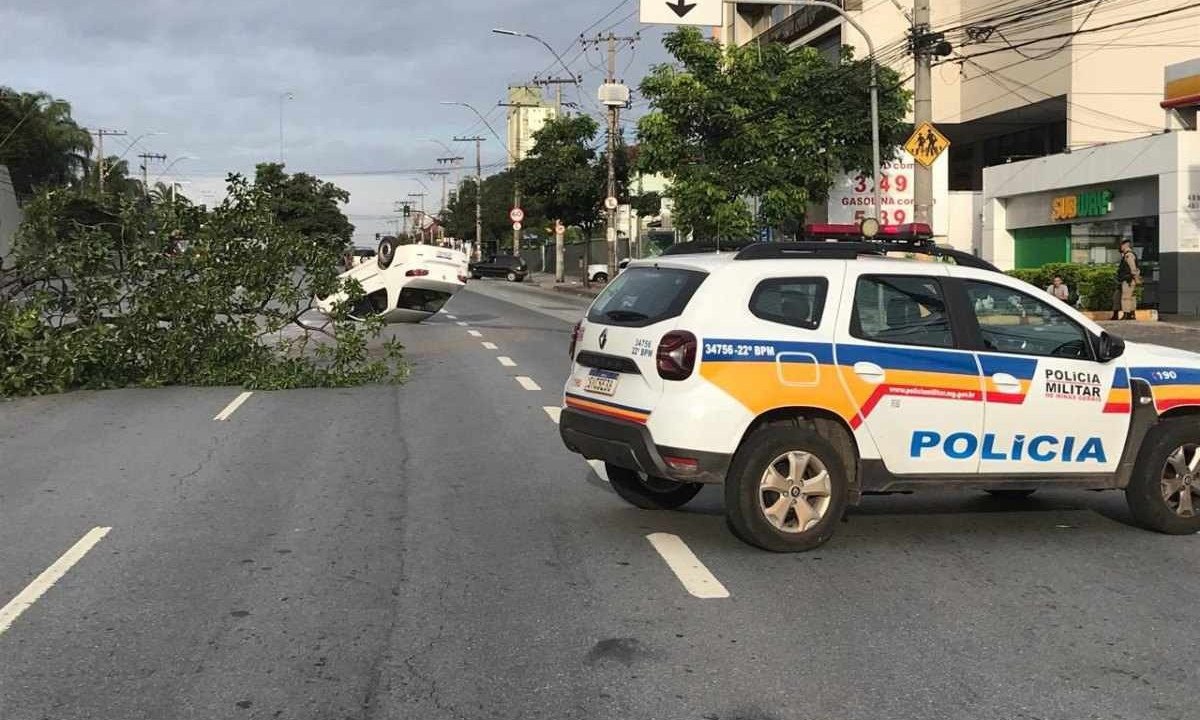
(528, 112)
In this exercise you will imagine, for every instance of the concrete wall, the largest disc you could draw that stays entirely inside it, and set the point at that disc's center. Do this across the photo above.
(965, 229)
(10, 215)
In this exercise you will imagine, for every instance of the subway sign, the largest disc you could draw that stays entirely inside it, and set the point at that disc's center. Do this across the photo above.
(1094, 203)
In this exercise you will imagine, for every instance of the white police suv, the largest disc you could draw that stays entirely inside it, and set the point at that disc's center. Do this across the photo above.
(805, 375)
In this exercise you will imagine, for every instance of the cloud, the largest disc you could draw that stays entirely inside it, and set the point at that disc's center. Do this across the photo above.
(367, 76)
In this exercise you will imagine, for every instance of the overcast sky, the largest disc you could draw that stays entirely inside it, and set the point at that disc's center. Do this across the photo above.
(367, 77)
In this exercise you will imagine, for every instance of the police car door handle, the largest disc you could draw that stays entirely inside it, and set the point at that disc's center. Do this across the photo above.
(868, 371)
(1005, 380)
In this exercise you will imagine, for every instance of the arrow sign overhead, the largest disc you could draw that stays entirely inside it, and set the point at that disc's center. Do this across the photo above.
(682, 8)
(683, 12)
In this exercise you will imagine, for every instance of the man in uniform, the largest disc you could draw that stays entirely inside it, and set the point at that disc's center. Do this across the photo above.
(1128, 276)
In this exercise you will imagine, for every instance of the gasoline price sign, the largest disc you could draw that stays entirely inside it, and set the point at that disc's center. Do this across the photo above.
(851, 200)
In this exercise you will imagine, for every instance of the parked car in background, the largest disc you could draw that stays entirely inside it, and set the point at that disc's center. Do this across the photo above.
(509, 267)
(598, 272)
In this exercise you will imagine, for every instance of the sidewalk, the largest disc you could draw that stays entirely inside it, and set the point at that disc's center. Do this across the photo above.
(571, 286)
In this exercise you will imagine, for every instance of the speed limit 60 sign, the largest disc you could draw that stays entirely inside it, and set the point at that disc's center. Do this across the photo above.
(516, 215)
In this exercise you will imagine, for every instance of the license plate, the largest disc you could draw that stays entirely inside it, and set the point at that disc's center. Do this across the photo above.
(602, 382)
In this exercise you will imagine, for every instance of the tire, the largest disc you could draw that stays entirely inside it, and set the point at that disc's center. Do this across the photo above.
(747, 498)
(1010, 494)
(386, 253)
(511, 277)
(1164, 493)
(649, 493)
(600, 278)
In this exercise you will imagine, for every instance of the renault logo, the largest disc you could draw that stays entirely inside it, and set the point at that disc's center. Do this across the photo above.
(603, 339)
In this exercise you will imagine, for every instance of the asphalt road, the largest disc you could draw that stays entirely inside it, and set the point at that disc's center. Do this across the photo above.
(431, 551)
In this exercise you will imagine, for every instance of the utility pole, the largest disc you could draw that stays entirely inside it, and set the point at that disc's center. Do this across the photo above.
(478, 192)
(146, 158)
(614, 95)
(515, 158)
(100, 134)
(922, 109)
(558, 83)
(421, 221)
(443, 174)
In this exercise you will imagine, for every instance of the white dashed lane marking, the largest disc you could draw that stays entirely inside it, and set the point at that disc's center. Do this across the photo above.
(489, 346)
(460, 323)
(597, 466)
(34, 590)
(232, 407)
(474, 333)
(528, 383)
(696, 578)
(554, 412)
(506, 361)
(451, 317)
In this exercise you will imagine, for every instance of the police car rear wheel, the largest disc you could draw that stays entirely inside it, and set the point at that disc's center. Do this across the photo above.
(1164, 493)
(649, 493)
(786, 490)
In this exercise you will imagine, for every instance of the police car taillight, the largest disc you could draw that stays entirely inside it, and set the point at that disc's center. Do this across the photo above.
(676, 355)
(416, 273)
(576, 336)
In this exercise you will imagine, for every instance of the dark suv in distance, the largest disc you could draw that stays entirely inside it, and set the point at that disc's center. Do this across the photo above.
(509, 267)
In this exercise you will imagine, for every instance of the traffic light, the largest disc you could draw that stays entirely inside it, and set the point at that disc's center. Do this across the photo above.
(407, 211)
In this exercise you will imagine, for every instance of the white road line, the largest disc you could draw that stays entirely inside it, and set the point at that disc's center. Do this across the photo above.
(506, 361)
(554, 412)
(489, 346)
(34, 590)
(460, 323)
(528, 383)
(696, 578)
(232, 407)
(474, 333)
(451, 317)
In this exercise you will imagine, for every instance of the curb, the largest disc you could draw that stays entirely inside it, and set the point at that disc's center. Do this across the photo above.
(577, 292)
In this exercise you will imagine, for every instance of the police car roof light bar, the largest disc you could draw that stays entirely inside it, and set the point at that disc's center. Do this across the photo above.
(843, 250)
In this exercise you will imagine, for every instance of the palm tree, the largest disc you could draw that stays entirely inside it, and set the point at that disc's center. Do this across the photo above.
(40, 142)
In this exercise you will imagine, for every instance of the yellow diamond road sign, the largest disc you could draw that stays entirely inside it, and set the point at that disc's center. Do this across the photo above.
(926, 144)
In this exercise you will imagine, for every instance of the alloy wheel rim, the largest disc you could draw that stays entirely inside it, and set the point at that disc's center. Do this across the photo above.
(794, 493)
(1180, 483)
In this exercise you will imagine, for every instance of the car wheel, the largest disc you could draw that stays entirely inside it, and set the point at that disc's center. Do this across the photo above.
(600, 278)
(476, 276)
(386, 253)
(649, 493)
(1164, 493)
(512, 277)
(1010, 494)
(786, 490)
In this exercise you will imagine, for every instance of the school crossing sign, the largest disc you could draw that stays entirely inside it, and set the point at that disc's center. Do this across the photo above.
(927, 144)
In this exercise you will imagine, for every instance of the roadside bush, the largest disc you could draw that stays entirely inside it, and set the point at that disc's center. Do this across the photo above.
(1091, 286)
(132, 293)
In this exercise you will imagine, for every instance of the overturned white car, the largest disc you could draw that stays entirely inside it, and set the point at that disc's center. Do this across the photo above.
(405, 284)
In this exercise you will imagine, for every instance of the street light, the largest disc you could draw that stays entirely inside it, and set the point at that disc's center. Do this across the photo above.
(495, 134)
(289, 95)
(874, 77)
(129, 148)
(179, 159)
(515, 33)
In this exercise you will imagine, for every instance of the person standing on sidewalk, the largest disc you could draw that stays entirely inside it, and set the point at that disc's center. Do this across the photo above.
(1128, 277)
(1059, 289)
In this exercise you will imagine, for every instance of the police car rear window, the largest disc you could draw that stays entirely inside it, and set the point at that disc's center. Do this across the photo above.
(799, 302)
(643, 296)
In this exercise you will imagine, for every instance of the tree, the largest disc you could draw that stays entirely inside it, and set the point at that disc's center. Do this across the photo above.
(759, 121)
(306, 205)
(40, 142)
(561, 171)
(497, 202)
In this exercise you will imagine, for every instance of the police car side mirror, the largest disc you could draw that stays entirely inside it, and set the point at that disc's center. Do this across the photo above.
(1110, 348)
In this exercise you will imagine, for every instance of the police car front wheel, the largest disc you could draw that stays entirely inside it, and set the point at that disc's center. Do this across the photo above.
(786, 490)
(1164, 494)
(649, 493)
